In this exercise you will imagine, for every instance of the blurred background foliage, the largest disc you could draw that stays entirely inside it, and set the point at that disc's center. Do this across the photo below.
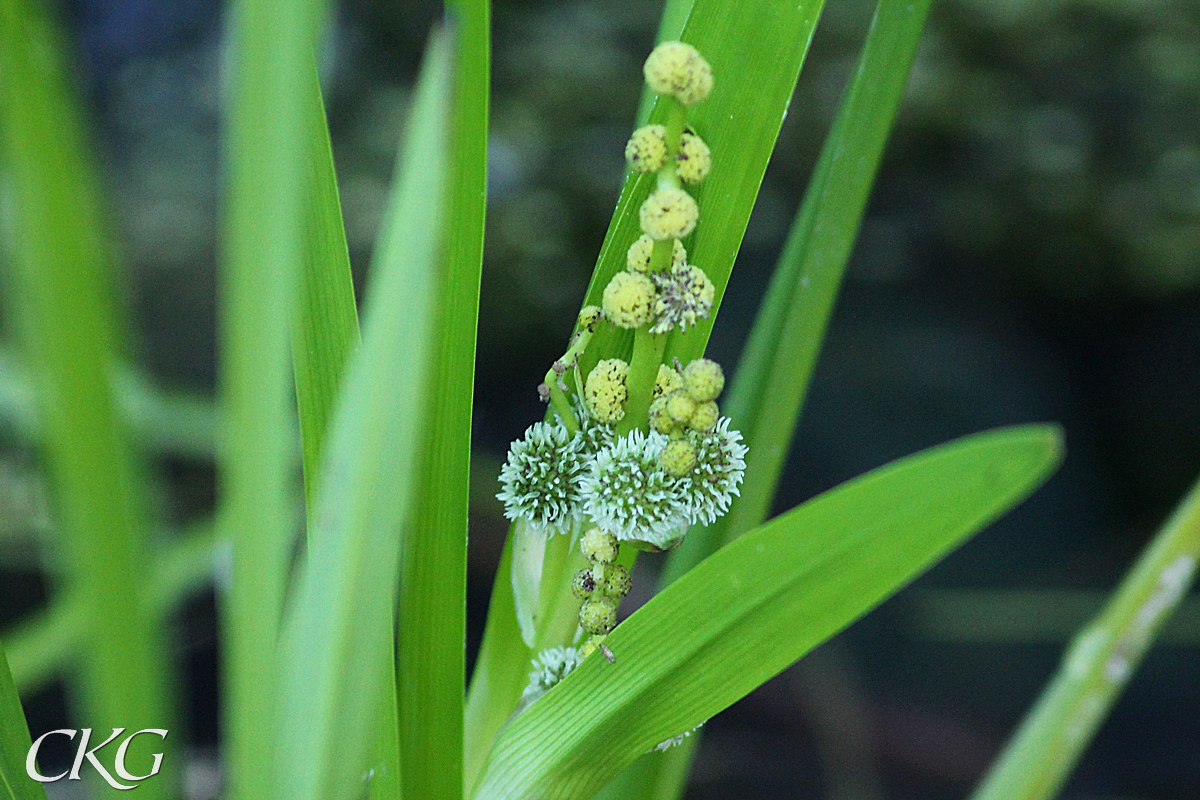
(1031, 252)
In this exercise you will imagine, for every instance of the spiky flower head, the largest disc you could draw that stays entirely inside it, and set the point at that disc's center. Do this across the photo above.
(669, 213)
(679, 70)
(685, 294)
(540, 478)
(604, 390)
(629, 300)
(704, 379)
(637, 259)
(694, 159)
(720, 466)
(549, 667)
(628, 494)
(647, 148)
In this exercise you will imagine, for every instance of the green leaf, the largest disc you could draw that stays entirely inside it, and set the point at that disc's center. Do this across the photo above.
(325, 322)
(1098, 665)
(64, 310)
(759, 604)
(431, 621)
(14, 743)
(336, 639)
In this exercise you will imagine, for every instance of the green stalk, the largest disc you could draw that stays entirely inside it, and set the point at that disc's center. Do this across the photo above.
(66, 317)
(1098, 665)
(648, 351)
(263, 242)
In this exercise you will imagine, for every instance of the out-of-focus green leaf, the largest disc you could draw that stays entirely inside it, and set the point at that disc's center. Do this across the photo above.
(756, 606)
(431, 621)
(336, 638)
(63, 308)
(14, 743)
(325, 322)
(1098, 665)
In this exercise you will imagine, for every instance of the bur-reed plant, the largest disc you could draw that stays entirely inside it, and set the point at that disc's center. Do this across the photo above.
(345, 672)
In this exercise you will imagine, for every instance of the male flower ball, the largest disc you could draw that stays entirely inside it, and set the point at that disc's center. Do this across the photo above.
(669, 213)
(703, 380)
(679, 70)
(637, 258)
(694, 159)
(605, 392)
(629, 300)
(647, 148)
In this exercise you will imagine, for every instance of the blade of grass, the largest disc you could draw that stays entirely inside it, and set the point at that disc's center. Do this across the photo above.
(1098, 665)
(14, 743)
(740, 121)
(325, 322)
(431, 622)
(774, 371)
(756, 606)
(65, 312)
(267, 143)
(335, 645)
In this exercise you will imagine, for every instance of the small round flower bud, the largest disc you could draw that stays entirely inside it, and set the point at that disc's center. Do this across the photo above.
(669, 213)
(637, 259)
(679, 70)
(629, 300)
(598, 546)
(668, 380)
(582, 585)
(680, 406)
(705, 418)
(694, 159)
(678, 458)
(588, 317)
(617, 581)
(647, 148)
(598, 616)
(703, 380)
(660, 420)
(604, 391)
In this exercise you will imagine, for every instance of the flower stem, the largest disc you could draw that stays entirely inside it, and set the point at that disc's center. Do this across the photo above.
(648, 349)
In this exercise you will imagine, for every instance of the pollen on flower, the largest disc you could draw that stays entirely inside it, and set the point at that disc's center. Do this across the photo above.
(637, 259)
(605, 391)
(646, 150)
(629, 300)
(669, 213)
(694, 159)
(626, 492)
(679, 70)
(539, 480)
(667, 381)
(685, 294)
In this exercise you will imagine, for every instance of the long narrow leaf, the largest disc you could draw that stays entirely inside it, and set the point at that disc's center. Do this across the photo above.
(1098, 665)
(336, 638)
(64, 306)
(14, 743)
(325, 322)
(756, 606)
(431, 619)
